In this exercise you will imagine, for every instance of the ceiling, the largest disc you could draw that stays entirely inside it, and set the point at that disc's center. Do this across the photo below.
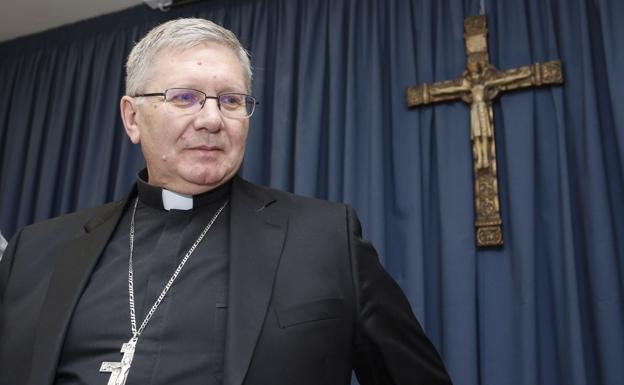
(24, 17)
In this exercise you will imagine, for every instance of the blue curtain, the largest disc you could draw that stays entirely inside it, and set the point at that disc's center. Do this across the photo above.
(547, 308)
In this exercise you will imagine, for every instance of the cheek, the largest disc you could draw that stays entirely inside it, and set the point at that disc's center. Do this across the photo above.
(238, 147)
(239, 138)
(169, 135)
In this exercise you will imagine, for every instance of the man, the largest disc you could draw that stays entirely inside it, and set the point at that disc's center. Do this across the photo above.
(199, 277)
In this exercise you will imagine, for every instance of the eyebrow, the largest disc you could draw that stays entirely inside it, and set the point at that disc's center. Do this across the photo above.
(230, 90)
(219, 90)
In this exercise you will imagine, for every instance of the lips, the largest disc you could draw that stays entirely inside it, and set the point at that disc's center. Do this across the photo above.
(205, 148)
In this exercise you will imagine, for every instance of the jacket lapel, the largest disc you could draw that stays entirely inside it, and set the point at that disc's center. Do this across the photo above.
(75, 263)
(257, 232)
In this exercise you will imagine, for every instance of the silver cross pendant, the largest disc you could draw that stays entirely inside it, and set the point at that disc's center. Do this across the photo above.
(119, 370)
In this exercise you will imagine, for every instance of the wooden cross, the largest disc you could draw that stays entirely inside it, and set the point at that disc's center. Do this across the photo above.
(479, 84)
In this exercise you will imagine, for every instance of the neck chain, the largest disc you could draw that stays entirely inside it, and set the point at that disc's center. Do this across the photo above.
(119, 370)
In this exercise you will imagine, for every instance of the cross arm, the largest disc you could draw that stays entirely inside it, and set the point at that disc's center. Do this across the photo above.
(435, 92)
(532, 75)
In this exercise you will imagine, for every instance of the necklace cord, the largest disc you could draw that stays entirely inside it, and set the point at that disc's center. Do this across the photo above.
(137, 332)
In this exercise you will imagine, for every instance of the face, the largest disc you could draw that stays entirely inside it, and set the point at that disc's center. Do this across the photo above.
(196, 152)
(475, 68)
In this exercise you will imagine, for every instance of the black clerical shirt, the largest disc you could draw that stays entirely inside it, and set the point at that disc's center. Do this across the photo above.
(184, 341)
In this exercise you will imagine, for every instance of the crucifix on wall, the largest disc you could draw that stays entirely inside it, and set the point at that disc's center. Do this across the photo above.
(479, 84)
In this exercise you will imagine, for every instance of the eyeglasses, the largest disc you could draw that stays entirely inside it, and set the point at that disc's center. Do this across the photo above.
(231, 105)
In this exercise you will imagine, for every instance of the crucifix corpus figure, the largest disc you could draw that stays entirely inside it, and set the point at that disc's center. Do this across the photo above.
(119, 370)
(479, 84)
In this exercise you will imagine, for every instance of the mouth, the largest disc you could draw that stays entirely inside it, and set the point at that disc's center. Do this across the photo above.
(205, 148)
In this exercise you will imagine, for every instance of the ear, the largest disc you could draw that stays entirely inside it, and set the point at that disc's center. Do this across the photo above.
(128, 107)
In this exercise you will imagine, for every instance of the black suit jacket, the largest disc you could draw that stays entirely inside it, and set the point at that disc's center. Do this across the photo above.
(308, 299)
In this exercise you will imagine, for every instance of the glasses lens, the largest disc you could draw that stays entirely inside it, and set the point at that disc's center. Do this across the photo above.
(184, 98)
(237, 105)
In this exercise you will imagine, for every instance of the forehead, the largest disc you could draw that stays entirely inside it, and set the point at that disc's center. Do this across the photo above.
(198, 66)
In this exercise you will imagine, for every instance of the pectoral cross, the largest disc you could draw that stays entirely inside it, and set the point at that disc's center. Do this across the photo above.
(479, 84)
(119, 370)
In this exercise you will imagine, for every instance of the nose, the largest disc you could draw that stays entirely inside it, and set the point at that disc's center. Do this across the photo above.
(209, 117)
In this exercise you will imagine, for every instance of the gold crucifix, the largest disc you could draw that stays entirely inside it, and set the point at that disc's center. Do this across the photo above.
(479, 84)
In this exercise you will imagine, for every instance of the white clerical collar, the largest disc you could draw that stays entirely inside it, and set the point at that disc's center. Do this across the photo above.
(159, 198)
(175, 201)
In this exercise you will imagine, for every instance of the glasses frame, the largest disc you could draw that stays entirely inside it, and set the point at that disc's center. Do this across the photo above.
(206, 97)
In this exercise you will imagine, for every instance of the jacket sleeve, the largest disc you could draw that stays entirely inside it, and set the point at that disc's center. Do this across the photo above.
(390, 347)
(6, 262)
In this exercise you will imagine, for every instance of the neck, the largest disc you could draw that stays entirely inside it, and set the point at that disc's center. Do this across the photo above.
(184, 187)
(165, 197)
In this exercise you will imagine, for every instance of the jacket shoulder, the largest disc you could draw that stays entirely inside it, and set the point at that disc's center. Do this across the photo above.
(76, 220)
(298, 203)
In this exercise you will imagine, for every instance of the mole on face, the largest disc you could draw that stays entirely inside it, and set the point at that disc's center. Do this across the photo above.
(199, 63)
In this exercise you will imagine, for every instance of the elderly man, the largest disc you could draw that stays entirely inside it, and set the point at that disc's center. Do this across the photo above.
(198, 276)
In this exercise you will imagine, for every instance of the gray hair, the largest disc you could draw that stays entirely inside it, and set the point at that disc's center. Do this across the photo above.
(179, 33)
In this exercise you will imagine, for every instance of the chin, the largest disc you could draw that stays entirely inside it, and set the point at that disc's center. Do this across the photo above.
(208, 178)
